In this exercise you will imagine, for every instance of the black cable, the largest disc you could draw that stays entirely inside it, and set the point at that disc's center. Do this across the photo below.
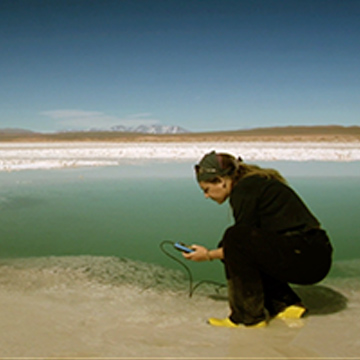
(191, 281)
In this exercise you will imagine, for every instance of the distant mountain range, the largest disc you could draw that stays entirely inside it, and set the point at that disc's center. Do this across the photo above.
(171, 133)
(14, 131)
(141, 129)
(151, 129)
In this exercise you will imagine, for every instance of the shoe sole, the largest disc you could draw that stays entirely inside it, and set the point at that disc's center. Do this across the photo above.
(292, 312)
(229, 324)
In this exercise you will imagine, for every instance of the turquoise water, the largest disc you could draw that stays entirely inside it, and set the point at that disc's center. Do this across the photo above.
(127, 211)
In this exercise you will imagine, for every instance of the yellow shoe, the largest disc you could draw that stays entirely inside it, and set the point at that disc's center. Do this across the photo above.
(228, 323)
(292, 312)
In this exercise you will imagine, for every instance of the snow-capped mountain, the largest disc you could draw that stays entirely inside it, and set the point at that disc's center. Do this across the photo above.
(151, 129)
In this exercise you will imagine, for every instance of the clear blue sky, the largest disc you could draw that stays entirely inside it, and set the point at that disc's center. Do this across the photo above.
(204, 65)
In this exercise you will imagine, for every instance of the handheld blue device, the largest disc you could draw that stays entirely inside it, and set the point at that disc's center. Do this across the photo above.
(182, 247)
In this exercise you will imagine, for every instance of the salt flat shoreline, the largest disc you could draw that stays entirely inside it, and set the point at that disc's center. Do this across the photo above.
(16, 156)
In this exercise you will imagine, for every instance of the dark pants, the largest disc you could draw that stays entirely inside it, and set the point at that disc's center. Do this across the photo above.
(259, 265)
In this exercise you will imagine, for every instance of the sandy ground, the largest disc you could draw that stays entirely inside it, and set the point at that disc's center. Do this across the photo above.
(81, 324)
(55, 312)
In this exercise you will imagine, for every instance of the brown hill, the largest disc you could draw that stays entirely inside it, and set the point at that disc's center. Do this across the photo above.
(287, 134)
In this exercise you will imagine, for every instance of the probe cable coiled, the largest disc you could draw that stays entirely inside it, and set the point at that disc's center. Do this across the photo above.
(192, 287)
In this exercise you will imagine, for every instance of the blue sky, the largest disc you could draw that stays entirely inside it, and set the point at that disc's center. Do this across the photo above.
(205, 65)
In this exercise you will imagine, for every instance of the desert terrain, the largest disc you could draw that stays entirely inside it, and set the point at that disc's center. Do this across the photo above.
(334, 133)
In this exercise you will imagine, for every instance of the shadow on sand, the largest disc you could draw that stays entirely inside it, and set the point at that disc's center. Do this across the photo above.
(321, 300)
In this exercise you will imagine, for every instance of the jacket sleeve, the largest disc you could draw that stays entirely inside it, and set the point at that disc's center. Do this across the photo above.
(244, 202)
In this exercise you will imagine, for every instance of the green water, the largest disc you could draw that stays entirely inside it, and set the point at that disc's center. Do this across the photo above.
(127, 211)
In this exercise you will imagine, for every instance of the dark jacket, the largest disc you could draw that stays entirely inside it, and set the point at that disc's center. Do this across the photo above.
(270, 205)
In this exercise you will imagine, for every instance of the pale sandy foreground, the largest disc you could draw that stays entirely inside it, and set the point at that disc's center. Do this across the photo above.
(21, 156)
(92, 307)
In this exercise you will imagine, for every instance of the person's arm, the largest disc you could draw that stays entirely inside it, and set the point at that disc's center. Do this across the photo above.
(201, 253)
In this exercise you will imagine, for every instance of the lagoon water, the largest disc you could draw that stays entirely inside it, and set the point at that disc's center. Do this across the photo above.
(82, 273)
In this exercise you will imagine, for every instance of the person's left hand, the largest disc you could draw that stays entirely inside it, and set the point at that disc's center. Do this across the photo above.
(200, 253)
